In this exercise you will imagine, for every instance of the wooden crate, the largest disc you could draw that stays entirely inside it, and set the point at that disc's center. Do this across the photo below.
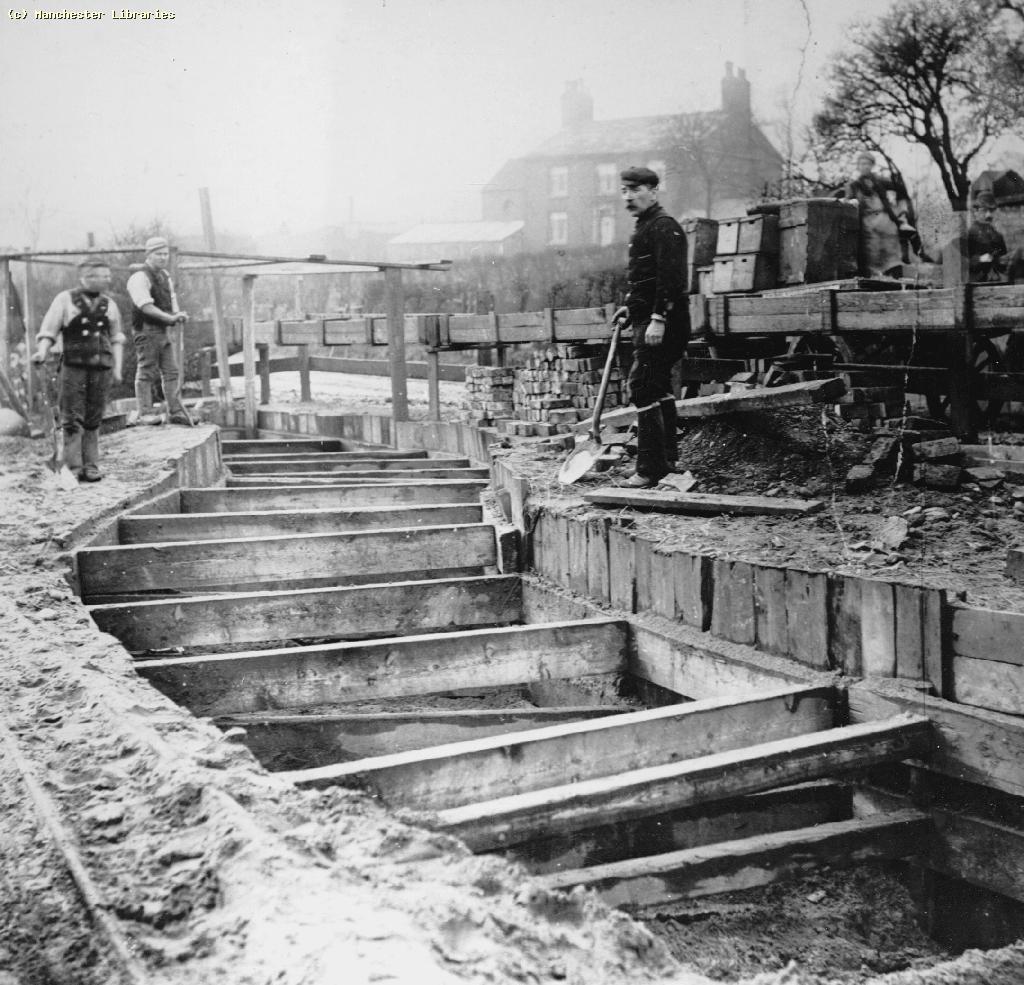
(748, 234)
(817, 240)
(705, 279)
(701, 240)
(743, 273)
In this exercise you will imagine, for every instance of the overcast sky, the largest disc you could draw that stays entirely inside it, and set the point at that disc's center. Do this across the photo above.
(289, 110)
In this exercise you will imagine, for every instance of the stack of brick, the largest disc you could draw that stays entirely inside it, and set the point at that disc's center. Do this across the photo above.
(559, 386)
(488, 394)
(872, 404)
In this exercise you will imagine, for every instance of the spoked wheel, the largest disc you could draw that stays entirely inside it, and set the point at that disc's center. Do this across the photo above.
(831, 349)
(986, 357)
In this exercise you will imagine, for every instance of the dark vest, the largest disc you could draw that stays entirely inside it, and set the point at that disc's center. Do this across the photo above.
(160, 288)
(87, 335)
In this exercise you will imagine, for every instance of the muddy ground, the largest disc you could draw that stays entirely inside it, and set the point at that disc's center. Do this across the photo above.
(215, 871)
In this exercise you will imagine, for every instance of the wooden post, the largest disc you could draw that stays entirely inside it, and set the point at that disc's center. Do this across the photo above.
(963, 409)
(179, 338)
(249, 351)
(219, 329)
(205, 371)
(297, 304)
(433, 385)
(263, 348)
(305, 390)
(5, 315)
(28, 314)
(955, 266)
(395, 303)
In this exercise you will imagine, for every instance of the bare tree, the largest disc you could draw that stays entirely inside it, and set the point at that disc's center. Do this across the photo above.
(938, 73)
(701, 146)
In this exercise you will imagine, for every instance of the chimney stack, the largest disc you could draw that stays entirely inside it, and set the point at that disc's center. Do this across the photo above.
(577, 105)
(736, 93)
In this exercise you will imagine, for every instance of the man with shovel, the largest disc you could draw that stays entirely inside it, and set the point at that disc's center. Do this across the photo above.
(657, 307)
(85, 325)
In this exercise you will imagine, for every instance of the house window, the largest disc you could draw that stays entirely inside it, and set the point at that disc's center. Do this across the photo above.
(604, 225)
(558, 226)
(607, 179)
(559, 180)
(658, 167)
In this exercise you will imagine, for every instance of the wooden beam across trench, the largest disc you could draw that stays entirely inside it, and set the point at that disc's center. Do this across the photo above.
(505, 821)
(366, 455)
(745, 863)
(310, 676)
(296, 561)
(263, 446)
(267, 466)
(289, 496)
(394, 608)
(168, 527)
(501, 766)
(358, 476)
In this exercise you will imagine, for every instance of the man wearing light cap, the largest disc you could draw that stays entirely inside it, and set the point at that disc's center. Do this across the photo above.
(154, 311)
(657, 308)
(990, 262)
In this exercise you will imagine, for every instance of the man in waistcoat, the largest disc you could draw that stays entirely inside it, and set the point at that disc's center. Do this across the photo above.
(84, 326)
(657, 307)
(154, 312)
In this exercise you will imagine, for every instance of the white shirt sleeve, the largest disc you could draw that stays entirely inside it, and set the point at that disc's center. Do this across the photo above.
(139, 289)
(53, 320)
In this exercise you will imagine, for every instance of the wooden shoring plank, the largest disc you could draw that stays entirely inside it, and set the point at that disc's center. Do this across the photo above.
(988, 634)
(298, 497)
(989, 684)
(347, 331)
(846, 650)
(807, 617)
(703, 503)
(503, 766)
(471, 330)
(577, 553)
(341, 479)
(369, 455)
(161, 528)
(771, 626)
(304, 332)
(663, 584)
(555, 810)
(598, 569)
(290, 742)
(732, 609)
(878, 628)
(643, 549)
(692, 576)
(221, 564)
(273, 446)
(800, 806)
(425, 469)
(272, 466)
(973, 744)
(523, 326)
(311, 676)
(351, 612)
(790, 395)
(622, 568)
(579, 324)
(745, 863)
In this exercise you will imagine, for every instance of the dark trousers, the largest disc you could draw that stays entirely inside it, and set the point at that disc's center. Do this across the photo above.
(650, 391)
(154, 360)
(83, 398)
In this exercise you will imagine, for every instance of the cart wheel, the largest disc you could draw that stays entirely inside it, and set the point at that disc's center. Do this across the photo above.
(822, 345)
(985, 358)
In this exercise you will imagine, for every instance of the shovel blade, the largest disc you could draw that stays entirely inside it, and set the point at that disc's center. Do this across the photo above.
(579, 463)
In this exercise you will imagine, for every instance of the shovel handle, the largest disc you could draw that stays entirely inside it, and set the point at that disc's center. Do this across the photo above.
(595, 431)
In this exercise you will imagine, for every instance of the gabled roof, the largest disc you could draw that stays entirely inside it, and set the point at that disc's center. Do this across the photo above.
(621, 136)
(458, 232)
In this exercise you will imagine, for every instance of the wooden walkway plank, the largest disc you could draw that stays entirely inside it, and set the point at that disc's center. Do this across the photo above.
(426, 477)
(703, 503)
(237, 565)
(164, 528)
(492, 824)
(374, 454)
(233, 446)
(745, 863)
(461, 773)
(310, 676)
(352, 612)
(330, 496)
(283, 742)
(426, 466)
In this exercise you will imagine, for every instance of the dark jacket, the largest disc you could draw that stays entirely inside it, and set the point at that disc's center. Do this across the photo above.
(160, 288)
(657, 271)
(87, 335)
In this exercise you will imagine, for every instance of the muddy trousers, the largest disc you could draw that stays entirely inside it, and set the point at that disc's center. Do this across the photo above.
(154, 360)
(83, 399)
(650, 390)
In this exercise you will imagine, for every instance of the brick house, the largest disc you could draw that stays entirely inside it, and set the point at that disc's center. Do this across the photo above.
(566, 192)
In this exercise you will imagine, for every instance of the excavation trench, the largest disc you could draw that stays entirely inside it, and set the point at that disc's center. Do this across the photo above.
(355, 618)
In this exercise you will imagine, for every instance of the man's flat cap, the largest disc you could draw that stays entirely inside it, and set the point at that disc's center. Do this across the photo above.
(156, 243)
(984, 200)
(639, 176)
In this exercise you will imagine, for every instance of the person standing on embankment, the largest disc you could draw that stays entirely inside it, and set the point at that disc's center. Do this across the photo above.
(657, 307)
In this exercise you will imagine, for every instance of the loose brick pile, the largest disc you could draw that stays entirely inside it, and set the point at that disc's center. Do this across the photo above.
(559, 386)
(488, 394)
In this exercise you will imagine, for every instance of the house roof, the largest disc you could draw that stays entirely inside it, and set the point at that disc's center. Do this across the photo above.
(620, 136)
(459, 232)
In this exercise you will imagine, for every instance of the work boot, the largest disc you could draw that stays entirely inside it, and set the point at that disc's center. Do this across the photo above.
(73, 450)
(90, 456)
(638, 481)
(180, 417)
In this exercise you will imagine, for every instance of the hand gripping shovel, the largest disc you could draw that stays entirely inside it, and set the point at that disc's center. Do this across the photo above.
(584, 458)
(64, 476)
